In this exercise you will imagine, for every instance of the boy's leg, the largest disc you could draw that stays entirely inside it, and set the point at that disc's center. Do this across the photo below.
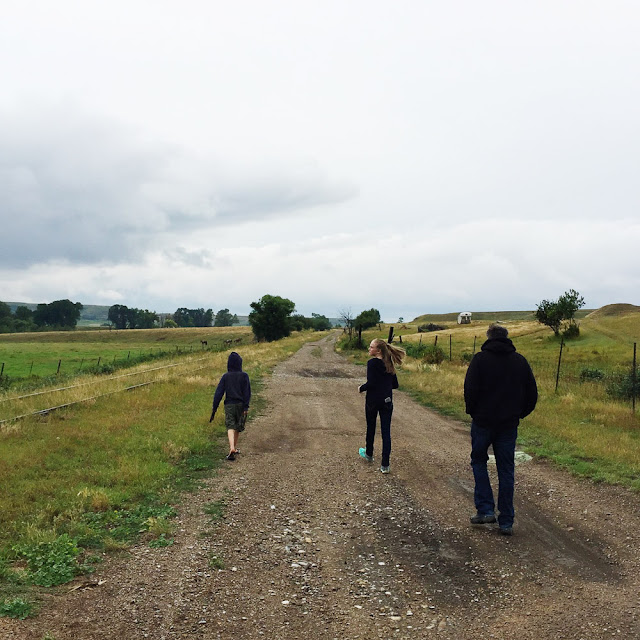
(232, 439)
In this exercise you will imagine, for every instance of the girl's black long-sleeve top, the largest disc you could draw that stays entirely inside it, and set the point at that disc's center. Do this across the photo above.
(379, 382)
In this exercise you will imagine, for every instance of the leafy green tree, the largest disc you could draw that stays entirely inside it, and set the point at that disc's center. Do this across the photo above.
(144, 319)
(561, 312)
(224, 318)
(184, 317)
(5, 311)
(24, 313)
(119, 315)
(320, 323)
(367, 319)
(270, 318)
(62, 314)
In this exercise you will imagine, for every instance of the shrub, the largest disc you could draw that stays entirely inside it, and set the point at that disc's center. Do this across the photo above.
(589, 373)
(424, 328)
(429, 353)
(622, 386)
(572, 331)
(414, 350)
(434, 355)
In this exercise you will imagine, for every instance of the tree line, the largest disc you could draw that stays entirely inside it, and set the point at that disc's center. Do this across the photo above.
(60, 315)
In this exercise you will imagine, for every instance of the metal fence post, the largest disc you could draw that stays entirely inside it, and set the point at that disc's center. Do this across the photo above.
(633, 379)
(559, 361)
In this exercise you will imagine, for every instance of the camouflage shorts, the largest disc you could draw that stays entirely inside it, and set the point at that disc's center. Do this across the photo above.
(234, 417)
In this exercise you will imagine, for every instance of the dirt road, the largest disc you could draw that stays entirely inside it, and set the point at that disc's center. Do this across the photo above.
(316, 543)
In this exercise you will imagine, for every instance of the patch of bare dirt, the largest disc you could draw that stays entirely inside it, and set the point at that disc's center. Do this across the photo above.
(317, 543)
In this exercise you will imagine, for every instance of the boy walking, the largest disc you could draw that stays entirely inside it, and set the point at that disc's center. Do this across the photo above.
(236, 388)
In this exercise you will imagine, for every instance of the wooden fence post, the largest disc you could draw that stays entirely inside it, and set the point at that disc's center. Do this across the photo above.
(390, 338)
(450, 347)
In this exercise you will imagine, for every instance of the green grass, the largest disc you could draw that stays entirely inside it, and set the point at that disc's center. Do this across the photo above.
(53, 353)
(97, 476)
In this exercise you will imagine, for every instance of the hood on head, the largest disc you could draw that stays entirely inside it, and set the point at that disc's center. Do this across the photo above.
(499, 346)
(234, 363)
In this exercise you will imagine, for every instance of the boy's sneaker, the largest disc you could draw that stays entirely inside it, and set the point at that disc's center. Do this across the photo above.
(384, 469)
(483, 519)
(231, 457)
(506, 531)
(363, 454)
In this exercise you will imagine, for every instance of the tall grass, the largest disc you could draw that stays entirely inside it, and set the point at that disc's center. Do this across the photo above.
(104, 472)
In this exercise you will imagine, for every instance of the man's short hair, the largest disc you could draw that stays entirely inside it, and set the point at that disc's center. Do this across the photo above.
(496, 331)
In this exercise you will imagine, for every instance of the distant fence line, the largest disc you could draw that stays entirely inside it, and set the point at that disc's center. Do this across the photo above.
(102, 364)
(560, 369)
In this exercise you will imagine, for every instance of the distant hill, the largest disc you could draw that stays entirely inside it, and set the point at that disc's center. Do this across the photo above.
(491, 316)
(615, 309)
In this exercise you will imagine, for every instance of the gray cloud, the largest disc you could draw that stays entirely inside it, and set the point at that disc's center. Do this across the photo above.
(90, 190)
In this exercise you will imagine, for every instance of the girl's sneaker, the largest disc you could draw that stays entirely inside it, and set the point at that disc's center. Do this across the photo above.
(363, 454)
(384, 469)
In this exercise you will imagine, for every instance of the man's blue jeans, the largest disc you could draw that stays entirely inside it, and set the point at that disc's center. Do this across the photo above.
(504, 447)
(385, 409)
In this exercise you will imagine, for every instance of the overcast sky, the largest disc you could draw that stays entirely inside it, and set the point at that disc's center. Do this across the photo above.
(415, 156)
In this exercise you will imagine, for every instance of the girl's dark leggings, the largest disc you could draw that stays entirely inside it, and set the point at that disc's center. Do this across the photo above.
(371, 411)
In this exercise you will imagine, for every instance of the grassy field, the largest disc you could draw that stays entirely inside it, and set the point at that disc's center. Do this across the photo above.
(91, 478)
(39, 354)
(581, 426)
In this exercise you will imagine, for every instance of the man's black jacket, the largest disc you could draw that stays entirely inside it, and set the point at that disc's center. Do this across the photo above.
(499, 388)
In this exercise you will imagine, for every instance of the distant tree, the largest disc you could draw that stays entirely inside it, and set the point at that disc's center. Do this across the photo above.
(367, 319)
(184, 317)
(561, 312)
(24, 313)
(346, 319)
(298, 322)
(119, 316)
(270, 318)
(144, 319)
(320, 323)
(62, 314)
(170, 324)
(400, 319)
(224, 318)
(6, 318)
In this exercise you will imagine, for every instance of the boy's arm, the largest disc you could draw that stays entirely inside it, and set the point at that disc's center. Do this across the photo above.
(217, 396)
(247, 394)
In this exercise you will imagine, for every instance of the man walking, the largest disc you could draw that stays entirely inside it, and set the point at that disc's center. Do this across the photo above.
(499, 390)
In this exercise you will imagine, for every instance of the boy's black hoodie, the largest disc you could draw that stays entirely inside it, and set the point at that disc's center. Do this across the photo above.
(499, 388)
(234, 385)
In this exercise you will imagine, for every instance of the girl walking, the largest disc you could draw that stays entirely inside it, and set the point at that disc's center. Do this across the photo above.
(381, 380)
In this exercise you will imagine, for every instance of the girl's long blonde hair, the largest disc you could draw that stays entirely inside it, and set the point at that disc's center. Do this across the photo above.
(392, 356)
